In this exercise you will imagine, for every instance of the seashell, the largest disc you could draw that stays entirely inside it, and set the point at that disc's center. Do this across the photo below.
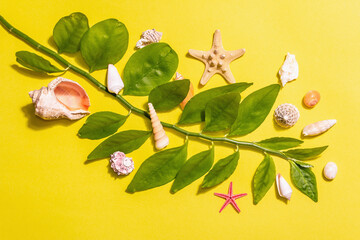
(190, 93)
(286, 115)
(289, 70)
(114, 81)
(161, 140)
(330, 170)
(148, 37)
(121, 164)
(283, 187)
(311, 98)
(62, 98)
(318, 127)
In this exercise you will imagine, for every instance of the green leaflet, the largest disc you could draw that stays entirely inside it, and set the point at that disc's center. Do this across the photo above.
(104, 43)
(264, 177)
(221, 171)
(68, 32)
(126, 142)
(254, 109)
(35, 62)
(305, 153)
(194, 110)
(101, 124)
(169, 95)
(279, 143)
(305, 180)
(193, 169)
(221, 112)
(302, 164)
(158, 169)
(149, 67)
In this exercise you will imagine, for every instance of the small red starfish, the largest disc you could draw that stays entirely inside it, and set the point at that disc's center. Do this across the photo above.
(230, 198)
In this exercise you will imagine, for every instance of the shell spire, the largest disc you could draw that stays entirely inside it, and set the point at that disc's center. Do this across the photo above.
(161, 140)
(114, 81)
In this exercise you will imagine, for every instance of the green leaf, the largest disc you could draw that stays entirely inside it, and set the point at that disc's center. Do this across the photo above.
(221, 112)
(254, 109)
(304, 180)
(149, 67)
(305, 153)
(68, 32)
(264, 177)
(193, 169)
(280, 143)
(104, 43)
(158, 169)
(221, 171)
(126, 142)
(101, 124)
(169, 95)
(302, 164)
(35, 62)
(194, 110)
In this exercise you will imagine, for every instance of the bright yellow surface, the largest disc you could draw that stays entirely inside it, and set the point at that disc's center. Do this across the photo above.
(47, 192)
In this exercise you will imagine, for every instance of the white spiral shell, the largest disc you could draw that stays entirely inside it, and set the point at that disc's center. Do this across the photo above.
(318, 127)
(148, 37)
(286, 115)
(114, 81)
(160, 138)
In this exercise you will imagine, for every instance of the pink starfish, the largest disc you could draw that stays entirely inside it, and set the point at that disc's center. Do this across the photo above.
(230, 198)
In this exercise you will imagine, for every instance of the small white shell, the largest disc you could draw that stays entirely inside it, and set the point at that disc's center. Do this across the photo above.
(148, 37)
(114, 81)
(318, 127)
(330, 170)
(289, 70)
(286, 115)
(283, 187)
(161, 140)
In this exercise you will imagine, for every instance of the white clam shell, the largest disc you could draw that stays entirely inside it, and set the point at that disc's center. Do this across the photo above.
(114, 81)
(283, 187)
(318, 127)
(62, 98)
(161, 140)
(148, 37)
(289, 70)
(330, 170)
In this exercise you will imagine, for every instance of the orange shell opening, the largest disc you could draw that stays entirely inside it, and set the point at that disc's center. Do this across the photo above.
(72, 96)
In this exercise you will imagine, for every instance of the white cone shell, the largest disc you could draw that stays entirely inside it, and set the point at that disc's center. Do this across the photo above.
(318, 127)
(289, 70)
(330, 170)
(114, 81)
(283, 187)
(160, 138)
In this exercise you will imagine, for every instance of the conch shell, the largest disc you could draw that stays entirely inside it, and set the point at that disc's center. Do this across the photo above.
(161, 140)
(62, 98)
(318, 127)
(114, 81)
(190, 94)
(148, 37)
(283, 187)
(289, 70)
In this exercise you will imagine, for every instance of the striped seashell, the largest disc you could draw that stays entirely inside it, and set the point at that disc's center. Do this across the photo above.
(148, 37)
(318, 127)
(161, 140)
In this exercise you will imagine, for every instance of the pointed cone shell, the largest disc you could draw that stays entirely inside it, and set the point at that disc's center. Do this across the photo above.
(62, 98)
(318, 127)
(190, 94)
(283, 187)
(114, 81)
(161, 140)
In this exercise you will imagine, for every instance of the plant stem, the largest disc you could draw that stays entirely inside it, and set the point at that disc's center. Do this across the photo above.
(128, 105)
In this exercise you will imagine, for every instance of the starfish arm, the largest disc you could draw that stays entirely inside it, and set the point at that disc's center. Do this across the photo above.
(221, 195)
(206, 76)
(197, 54)
(228, 76)
(217, 42)
(225, 204)
(230, 192)
(235, 54)
(232, 201)
(239, 195)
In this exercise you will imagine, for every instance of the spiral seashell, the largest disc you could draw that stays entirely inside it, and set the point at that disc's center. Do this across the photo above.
(330, 170)
(114, 81)
(311, 98)
(289, 70)
(283, 187)
(190, 94)
(62, 98)
(121, 164)
(286, 115)
(318, 127)
(148, 37)
(161, 140)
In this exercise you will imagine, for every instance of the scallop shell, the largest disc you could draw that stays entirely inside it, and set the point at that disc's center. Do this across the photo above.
(286, 115)
(114, 81)
(283, 187)
(289, 70)
(148, 37)
(318, 127)
(62, 98)
(190, 93)
(161, 140)
(311, 98)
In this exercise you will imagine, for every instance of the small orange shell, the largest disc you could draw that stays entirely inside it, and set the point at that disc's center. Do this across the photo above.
(311, 98)
(190, 93)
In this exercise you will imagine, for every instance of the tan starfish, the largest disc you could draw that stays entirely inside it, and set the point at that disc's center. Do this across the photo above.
(217, 60)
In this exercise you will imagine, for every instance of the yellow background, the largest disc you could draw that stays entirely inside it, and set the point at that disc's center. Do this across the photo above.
(47, 192)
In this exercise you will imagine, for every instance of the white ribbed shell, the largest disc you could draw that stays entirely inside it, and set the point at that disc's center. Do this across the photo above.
(286, 115)
(160, 138)
(148, 37)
